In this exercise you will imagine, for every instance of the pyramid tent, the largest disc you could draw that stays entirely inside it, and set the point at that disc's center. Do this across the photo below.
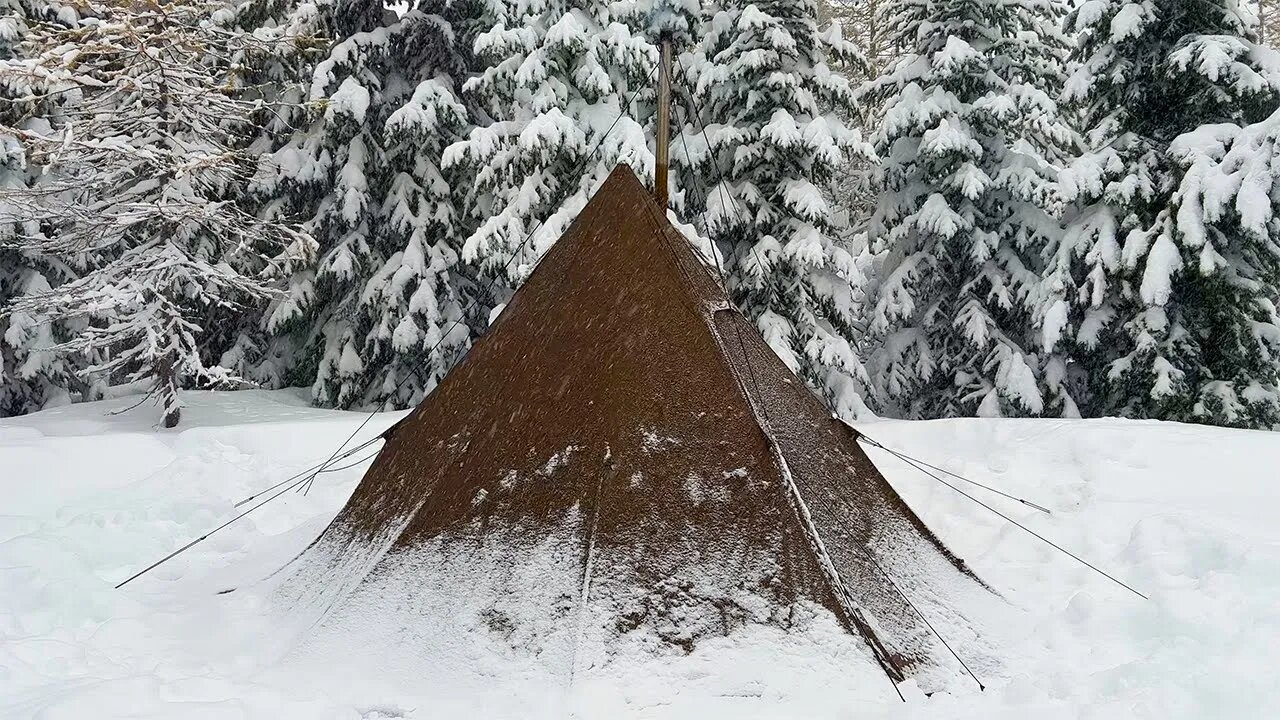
(623, 456)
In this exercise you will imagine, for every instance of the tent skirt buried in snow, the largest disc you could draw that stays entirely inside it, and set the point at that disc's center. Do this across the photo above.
(622, 462)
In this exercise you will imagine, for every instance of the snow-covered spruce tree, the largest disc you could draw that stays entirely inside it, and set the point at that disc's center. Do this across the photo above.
(853, 189)
(555, 77)
(1228, 203)
(967, 145)
(145, 150)
(772, 108)
(275, 72)
(1151, 311)
(365, 171)
(29, 377)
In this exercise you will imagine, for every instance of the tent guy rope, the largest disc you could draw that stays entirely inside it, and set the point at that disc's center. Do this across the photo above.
(921, 615)
(300, 473)
(1015, 523)
(298, 480)
(304, 485)
(962, 478)
(911, 461)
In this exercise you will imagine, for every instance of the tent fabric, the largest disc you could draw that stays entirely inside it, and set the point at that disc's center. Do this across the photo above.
(623, 452)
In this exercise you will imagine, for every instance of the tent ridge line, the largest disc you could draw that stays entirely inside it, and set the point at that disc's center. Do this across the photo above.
(851, 608)
(707, 308)
(386, 541)
(852, 612)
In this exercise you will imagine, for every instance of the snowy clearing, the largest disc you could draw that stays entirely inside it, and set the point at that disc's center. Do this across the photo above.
(1183, 513)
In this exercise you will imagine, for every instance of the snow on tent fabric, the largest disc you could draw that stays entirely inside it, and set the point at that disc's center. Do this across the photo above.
(623, 456)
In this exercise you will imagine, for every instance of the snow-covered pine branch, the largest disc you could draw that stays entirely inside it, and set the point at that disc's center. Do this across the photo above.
(144, 151)
(553, 82)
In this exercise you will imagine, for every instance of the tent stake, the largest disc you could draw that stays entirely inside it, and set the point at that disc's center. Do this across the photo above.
(903, 595)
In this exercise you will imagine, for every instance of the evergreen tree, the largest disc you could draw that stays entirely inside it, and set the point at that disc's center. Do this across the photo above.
(1159, 318)
(364, 169)
(1227, 205)
(30, 377)
(275, 73)
(774, 114)
(144, 150)
(556, 77)
(967, 143)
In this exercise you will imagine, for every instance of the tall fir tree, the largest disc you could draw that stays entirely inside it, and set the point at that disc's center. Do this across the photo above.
(1160, 316)
(30, 377)
(388, 308)
(1227, 203)
(775, 117)
(968, 142)
(276, 75)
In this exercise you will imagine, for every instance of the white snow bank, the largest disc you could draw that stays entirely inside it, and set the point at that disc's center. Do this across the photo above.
(1183, 513)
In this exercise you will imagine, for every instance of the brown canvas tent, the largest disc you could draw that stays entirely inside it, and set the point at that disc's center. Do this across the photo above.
(622, 456)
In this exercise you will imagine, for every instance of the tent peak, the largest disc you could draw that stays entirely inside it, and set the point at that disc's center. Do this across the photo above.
(706, 516)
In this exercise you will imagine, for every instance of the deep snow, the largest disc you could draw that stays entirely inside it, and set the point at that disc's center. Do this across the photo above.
(1183, 513)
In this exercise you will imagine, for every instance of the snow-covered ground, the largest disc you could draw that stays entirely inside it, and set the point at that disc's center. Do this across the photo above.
(1186, 514)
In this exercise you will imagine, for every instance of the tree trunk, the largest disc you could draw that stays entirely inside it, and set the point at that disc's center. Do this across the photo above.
(168, 389)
